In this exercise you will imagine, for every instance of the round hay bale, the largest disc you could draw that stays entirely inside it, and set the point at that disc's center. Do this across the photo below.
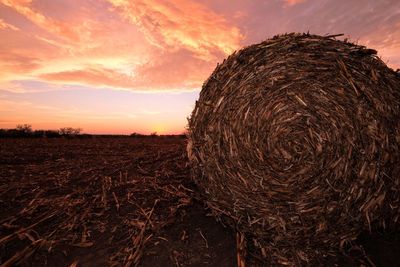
(295, 142)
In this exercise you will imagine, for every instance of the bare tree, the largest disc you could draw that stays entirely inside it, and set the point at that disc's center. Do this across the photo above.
(24, 128)
(69, 131)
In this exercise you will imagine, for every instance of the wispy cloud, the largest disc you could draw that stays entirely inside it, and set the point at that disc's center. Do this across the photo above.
(6, 26)
(62, 29)
(30, 86)
(158, 45)
(293, 2)
(96, 75)
(180, 70)
(184, 24)
(14, 64)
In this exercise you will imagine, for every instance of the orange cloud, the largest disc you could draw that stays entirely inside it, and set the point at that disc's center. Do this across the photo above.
(386, 41)
(163, 71)
(62, 45)
(21, 54)
(293, 2)
(98, 76)
(14, 63)
(159, 44)
(24, 8)
(173, 25)
(6, 26)
(180, 69)
(148, 45)
(110, 59)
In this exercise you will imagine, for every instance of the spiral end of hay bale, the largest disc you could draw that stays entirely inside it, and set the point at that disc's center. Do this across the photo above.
(295, 141)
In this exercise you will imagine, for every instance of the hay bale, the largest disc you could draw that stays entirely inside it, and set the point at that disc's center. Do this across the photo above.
(295, 141)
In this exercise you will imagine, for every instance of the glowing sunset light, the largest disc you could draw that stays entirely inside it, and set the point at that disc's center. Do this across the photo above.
(122, 66)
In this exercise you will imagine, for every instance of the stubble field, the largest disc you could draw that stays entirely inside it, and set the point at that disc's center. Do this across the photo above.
(118, 202)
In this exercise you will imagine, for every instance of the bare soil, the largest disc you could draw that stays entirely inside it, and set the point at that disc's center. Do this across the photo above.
(119, 202)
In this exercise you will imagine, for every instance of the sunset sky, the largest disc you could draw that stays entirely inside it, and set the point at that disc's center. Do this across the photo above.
(123, 66)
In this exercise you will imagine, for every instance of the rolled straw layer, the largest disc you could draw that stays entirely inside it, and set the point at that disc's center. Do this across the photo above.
(295, 141)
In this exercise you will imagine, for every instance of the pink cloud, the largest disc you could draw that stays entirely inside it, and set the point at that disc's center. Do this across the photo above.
(386, 41)
(80, 43)
(97, 76)
(53, 49)
(180, 69)
(21, 54)
(293, 2)
(24, 8)
(6, 26)
(11, 62)
(165, 71)
(165, 44)
(173, 25)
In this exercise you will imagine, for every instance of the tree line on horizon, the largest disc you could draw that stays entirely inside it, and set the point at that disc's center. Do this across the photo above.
(25, 130)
